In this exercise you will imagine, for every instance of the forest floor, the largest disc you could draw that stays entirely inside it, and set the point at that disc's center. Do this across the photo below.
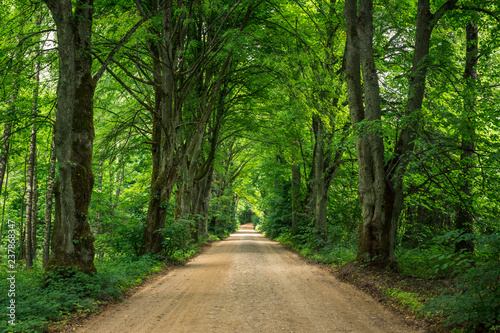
(247, 283)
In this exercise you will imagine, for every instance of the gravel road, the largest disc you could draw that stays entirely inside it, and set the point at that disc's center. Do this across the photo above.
(247, 283)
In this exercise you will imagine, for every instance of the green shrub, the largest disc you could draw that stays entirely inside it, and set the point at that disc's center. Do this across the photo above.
(477, 304)
(44, 298)
(421, 262)
(178, 239)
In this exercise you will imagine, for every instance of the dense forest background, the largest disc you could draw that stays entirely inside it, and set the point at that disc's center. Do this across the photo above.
(135, 131)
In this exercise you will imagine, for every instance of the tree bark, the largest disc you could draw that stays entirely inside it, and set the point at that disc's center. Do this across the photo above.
(164, 174)
(4, 153)
(296, 183)
(48, 205)
(34, 214)
(72, 242)
(204, 189)
(31, 195)
(381, 190)
(22, 230)
(465, 217)
(321, 188)
(374, 230)
(4, 202)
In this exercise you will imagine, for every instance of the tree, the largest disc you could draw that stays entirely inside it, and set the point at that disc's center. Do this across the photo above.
(72, 242)
(173, 148)
(375, 231)
(381, 184)
(465, 217)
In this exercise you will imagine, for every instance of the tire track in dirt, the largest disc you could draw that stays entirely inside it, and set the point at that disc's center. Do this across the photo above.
(247, 283)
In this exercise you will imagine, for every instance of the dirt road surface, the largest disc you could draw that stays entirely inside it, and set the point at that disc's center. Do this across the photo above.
(247, 283)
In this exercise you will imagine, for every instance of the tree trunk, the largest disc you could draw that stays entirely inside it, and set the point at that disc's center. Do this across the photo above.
(22, 230)
(72, 242)
(165, 162)
(396, 166)
(381, 190)
(295, 193)
(320, 200)
(374, 230)
(4, 153)
(121, 175)
(31, 195)
(465, 218)
(203, 202)
(4, 203)
(48, 205)
(34, 214)
(97, 227)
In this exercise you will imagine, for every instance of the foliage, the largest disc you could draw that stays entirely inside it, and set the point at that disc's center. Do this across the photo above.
(408, 300)
(222, 214)
(477, 303)
(421, 262)
(177, 239)
(42, 298)
(277, 219)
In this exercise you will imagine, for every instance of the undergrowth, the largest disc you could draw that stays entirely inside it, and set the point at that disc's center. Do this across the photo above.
(42, 298)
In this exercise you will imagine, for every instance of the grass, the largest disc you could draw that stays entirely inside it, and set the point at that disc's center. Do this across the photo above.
(41, 298)
(408, 300)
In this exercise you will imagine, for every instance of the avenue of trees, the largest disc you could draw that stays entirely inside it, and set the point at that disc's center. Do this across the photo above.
(353, 130)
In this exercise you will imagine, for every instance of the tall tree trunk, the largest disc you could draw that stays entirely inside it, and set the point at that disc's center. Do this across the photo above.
(200, 205)
(204, 201)
(4, 153)
(320, 199)
(295, 193)
(397, 165)
(5, 191)
(72, 242)
(192, 189)
(97, 227)
(465, 218)
(373, 239)
(48, 205)
(121, 175)
(31, 195)
(34, 211)
(164, 174)
(172, 150)
(381, 190)
(235, 202)
(22, 230)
